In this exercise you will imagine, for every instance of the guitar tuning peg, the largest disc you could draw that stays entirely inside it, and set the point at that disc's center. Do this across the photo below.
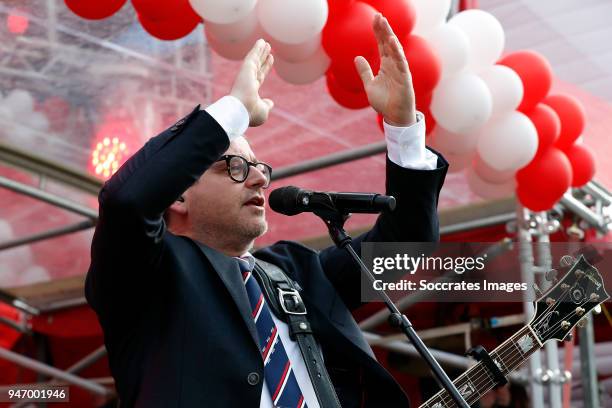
(575, 231)
(567, 260)
(537, 290)
(551, 275)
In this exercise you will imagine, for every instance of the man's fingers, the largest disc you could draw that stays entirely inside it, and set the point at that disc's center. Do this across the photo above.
(256, 51)
(386, 27)
(397, 53)
(379, 34)
(264, 53)
(268, 102)
(364, 70)
(267, 66)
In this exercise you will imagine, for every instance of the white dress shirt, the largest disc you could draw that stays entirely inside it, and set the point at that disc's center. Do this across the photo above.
(405, 147)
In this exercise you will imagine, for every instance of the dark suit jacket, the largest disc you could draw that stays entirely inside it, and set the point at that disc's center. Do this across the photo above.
(175, 313)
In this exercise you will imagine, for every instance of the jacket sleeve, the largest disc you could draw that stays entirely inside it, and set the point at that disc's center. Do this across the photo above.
(415, 219)
(127, 243)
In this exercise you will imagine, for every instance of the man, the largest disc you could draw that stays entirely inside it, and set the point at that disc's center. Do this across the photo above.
(171, 298)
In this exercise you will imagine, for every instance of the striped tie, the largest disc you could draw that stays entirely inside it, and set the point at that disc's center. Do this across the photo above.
(279, 375)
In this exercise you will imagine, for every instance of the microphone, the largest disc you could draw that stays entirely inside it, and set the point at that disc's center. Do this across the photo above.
(292, 200)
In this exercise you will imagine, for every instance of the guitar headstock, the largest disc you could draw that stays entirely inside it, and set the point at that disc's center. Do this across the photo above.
(568, 301)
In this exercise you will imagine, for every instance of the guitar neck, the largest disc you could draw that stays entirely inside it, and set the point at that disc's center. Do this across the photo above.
(477, 381)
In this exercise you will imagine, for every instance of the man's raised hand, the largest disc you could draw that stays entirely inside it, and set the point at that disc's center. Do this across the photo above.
(390, 92)
(251, 76)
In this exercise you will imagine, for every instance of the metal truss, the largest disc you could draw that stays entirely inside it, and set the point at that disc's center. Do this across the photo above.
(97, 68)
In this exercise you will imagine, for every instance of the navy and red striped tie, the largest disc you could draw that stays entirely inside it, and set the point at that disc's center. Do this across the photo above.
(280, 378)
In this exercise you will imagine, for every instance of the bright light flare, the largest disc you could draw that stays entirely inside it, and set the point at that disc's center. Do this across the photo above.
(107, 155)
(17, 23)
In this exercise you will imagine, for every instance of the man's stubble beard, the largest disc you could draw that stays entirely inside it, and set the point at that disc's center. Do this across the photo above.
(251, 230)
(239, 234)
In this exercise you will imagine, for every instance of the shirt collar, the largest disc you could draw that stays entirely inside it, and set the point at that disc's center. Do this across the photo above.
(247, 259)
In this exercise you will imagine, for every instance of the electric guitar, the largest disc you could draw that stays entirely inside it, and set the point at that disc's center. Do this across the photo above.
(556, 313)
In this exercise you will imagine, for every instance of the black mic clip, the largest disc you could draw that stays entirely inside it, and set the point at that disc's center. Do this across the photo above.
(333, 217)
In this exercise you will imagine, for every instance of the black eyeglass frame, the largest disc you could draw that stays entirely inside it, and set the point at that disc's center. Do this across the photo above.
(228, 157)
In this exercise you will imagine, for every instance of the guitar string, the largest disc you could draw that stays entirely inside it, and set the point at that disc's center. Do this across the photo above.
(478, 380)
(514, 356)
(478, 383)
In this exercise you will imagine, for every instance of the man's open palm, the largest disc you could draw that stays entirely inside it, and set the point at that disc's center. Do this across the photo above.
(390, 92)
(251, 76)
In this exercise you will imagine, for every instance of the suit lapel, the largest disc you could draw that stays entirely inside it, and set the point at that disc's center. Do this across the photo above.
(228, 270)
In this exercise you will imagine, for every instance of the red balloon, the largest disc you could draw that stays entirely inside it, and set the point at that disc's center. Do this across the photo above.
(535, 73)
(347, 34)
(548, 126)
(160, 10)
(572, 116)
(544, 180)
(94, 9)
(171, 29)
(339, 6)
(533, 201)
(422, 104)
(401, 14)
(348, 99)
(349, 29)
(346, 74)
(583, 164)
(379, 120)
(425, 65)
(430, 122)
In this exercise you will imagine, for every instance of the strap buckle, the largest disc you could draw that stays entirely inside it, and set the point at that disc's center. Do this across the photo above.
(294, 304)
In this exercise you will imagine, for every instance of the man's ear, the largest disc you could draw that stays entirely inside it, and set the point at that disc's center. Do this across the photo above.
(179, 206)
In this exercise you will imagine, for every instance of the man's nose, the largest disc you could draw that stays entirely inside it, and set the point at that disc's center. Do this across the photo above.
(256, 178)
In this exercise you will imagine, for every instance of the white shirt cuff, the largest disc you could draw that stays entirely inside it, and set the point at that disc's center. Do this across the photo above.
(406, 146)
(231, 115)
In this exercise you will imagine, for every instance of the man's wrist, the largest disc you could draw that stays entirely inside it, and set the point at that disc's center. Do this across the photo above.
(401, 121)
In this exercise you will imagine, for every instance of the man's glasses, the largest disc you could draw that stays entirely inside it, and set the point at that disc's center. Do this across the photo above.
(238, 168)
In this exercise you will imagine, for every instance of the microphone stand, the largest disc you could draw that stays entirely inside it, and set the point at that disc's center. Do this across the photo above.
(335, 220)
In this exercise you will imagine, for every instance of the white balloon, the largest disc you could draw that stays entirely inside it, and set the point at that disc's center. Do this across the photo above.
(292, 21)
(487, 189)
(452, 46)
(233, 32)
(5, 111)
(455, 143)
(508, 142)
(461, 103)
(489, 174)
(233, 50)
(38, 121)
(296, 52)
(429, 14)
(222, 11)
(457, 162)
(506, 88)
(20, 102)
(486, 35)
(304, 72)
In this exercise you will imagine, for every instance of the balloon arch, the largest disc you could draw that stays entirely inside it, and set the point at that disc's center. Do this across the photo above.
(491, 113)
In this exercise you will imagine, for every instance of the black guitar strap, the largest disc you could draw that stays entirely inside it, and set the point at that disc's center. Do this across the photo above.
(282, 294)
